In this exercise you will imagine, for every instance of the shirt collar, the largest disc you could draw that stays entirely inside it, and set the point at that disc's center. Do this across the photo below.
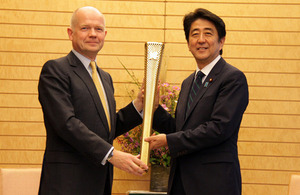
(84, 60)
(206, 70)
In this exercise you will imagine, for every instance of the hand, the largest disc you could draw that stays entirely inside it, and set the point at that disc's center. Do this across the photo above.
(157, 141)
(139, 101)
(129, 163)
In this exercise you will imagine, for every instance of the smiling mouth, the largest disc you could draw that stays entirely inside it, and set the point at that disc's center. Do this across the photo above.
(202, 48)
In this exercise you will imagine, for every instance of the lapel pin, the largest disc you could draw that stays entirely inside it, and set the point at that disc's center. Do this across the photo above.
(206, 84)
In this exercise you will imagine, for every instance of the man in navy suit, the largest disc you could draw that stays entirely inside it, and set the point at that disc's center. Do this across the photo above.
(202, 138)
(79, 155)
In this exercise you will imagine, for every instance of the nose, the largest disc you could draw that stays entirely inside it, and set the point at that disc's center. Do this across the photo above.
(201, 38)
(92, 32)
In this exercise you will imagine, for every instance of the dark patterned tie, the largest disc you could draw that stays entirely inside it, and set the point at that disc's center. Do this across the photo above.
(195, 88)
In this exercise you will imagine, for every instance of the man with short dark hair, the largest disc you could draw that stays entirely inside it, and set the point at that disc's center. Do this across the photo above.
(202, 138)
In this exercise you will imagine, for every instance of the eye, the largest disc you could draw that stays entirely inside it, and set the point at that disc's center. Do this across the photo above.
(195, 34)
(208, 33)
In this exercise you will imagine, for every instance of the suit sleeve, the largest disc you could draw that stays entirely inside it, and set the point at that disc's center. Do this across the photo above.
(59, 115)
(226, 111)
(163, 122)
(127, 119)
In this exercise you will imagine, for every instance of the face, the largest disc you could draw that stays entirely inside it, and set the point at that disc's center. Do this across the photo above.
(204, 42)
(88, 32)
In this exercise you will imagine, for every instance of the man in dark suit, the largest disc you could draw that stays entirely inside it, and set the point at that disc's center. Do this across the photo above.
(202, 138)
(80, 123)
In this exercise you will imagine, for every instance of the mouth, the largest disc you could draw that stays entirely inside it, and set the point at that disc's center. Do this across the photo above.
(202, 48)
(92, 42)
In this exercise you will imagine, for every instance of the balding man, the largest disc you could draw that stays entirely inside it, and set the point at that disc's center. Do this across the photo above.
(77, 99)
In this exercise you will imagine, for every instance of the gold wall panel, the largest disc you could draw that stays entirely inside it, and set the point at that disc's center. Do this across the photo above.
(269, 149)
(18, 86)
(266, 177)
(274, 93)
(240, 9)
(256, 134)
(254, 188)
(44, 5)
(22, 143)
(271, 163)
(271, 121)
(19, 128)
(22, 157)
(21, 114)
(17, 100)
(134, 7)
(273, 107)
(19, 73)
(26, 59)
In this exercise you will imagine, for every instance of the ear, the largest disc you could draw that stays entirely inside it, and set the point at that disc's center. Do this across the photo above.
(222, 41)
(70, 33)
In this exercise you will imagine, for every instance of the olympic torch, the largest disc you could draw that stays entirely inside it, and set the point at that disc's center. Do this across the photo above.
(153, 57)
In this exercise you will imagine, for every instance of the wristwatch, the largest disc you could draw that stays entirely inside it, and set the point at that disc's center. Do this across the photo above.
(110, 155)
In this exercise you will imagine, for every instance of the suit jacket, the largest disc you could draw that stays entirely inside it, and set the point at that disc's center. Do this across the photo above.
(78, 136)
(203, 141)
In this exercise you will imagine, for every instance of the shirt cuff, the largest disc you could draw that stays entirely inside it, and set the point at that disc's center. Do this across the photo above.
(106, 156)
(140, 113)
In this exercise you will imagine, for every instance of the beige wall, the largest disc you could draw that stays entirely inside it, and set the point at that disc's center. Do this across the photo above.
(263, 40)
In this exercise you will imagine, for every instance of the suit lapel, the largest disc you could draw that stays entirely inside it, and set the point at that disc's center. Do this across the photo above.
(210, 79)
(196, 100)
(182, 101)
(81, 71)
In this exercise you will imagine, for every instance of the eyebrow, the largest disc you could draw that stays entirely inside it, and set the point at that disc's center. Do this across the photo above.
(197, 29)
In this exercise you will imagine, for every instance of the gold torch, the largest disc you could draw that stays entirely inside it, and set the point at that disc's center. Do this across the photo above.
(153, 56)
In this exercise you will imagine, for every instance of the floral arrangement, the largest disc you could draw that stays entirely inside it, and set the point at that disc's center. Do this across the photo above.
(168, 98)
(130, 141)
